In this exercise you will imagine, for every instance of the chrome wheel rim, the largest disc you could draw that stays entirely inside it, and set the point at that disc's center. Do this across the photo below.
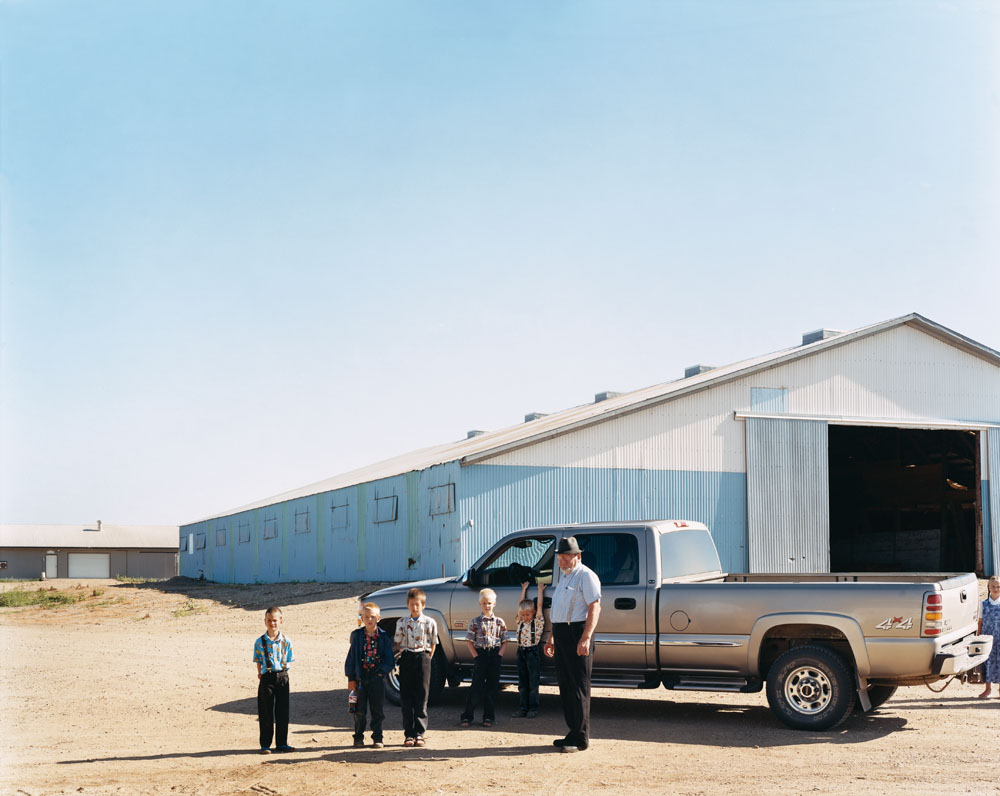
(808, 690)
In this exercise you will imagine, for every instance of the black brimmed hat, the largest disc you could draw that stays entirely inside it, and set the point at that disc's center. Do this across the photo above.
(568, 546)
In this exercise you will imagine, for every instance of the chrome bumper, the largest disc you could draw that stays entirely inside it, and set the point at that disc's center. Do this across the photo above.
(966, 654)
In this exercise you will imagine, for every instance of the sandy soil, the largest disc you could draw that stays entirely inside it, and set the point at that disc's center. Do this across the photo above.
(149, 689)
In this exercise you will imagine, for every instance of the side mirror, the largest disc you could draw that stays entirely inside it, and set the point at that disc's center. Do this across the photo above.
(471, 577)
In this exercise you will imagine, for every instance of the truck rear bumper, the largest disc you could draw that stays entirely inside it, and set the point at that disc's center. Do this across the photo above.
(966, 654)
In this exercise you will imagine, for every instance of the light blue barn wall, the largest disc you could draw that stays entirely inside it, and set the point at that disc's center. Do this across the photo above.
(412, 546)
(498, 499)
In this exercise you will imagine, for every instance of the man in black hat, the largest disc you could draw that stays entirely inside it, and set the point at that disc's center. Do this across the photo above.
(576, 607)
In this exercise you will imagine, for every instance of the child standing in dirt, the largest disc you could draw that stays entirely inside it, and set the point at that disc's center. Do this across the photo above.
(416, 639)
(272, 653)
(530, 625)
(487, 639)
(369, 662)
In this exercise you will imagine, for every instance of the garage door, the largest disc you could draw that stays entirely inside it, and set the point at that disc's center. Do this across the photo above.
(90, 565)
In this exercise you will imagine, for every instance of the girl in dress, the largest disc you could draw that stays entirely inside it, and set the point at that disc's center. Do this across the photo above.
(990, 625)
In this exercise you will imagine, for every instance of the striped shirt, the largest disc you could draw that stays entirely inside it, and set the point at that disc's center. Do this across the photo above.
(487, 632)
(279, 649)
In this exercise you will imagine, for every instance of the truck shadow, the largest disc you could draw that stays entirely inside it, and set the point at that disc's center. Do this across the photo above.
(721, 723)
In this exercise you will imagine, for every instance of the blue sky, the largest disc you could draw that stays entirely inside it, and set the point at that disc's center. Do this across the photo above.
(249, 245)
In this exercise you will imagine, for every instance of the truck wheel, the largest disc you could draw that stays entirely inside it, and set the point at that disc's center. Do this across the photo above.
(439, 676)
(810, 688)
(880, 694)
(392, 685)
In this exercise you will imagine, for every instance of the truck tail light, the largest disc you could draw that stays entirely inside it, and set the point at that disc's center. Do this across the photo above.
(933, 613)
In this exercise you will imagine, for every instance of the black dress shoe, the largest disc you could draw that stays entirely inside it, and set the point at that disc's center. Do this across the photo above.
(560, 742)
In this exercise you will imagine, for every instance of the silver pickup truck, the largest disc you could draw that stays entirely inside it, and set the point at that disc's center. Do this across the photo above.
(821, 644)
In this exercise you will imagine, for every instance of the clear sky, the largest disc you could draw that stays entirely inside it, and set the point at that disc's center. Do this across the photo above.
(249, 244)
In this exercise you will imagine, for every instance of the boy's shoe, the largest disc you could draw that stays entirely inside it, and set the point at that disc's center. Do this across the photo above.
(463, 723)
(519, 714)
(419, 741)
(378, 745)
(359, 743)
(284, 748)
(265, 751)
(531, 714)
(408, 742)
(487, 722)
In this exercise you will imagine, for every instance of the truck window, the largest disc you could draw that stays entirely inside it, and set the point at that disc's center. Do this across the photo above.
(527, 558)
(613, 556)
(687, 553)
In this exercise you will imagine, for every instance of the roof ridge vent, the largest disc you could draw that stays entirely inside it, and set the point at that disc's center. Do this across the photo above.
(603, 396)
(697, 370)
(819, 334)
(474, 432)
(534, 416)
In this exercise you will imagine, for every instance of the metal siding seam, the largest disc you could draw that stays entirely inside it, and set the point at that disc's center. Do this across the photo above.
(412, 519)
(994, 487)
(256, 545)
(231, 544)
(320, 530)
(362, 530)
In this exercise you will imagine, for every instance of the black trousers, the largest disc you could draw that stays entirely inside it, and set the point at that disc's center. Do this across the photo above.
(414, 685)
(573, 672)
(485, 685)
(272, 708)
(529, 669)
(371, 696)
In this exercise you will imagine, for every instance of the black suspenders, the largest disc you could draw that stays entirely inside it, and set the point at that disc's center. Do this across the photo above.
(267, 654)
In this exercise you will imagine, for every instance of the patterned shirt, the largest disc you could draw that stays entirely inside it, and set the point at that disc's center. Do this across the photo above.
(416, 635)
(530, 633)
(370, 658)
(487, 632)
(280, 650)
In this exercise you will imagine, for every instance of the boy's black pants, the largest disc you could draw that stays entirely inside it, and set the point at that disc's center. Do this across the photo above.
(414, 685)
(371, 695)
(529, 669)
(272, 708)
(485, 684)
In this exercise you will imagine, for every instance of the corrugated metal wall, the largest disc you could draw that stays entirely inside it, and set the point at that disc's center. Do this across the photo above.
(788, 496)
(399, 528)
(991, 501)
(497, 500)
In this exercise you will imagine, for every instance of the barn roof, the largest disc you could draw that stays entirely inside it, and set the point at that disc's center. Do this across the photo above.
(133, 537)
(493, 443)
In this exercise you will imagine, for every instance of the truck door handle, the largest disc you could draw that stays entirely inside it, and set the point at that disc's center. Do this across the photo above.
(963, 596)
(624, 603)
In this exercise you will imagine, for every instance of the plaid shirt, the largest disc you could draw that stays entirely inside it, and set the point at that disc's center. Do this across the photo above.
(280, 651)
(487, 632)
(416, 635)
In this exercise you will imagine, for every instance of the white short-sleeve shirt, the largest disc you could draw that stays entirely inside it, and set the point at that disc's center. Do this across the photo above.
(578, 589)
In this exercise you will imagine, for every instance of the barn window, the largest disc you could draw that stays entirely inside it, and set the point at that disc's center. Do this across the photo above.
(386, 509)
(183, 547)
(338, 517)
(270, 527)
(220, 537)
(244, 532)
(302, 521)
(442, 499)
(199, 541)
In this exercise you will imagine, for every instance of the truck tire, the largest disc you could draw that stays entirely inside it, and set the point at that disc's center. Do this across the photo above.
(879, 695)
(439, 677)
(810, 688)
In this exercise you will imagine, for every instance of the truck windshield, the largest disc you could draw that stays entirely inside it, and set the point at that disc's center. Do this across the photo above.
(687, 553)
(526, 558)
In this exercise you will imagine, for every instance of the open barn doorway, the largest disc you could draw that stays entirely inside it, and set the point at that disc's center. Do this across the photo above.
(904, 500)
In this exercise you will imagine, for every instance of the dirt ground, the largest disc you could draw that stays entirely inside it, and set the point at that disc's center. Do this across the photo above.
(149, 689)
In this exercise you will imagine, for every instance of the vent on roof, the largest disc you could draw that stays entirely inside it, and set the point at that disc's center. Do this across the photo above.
(534, 416)
(603, 396)
(696, 370)
(819, 334)
(475, 432)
